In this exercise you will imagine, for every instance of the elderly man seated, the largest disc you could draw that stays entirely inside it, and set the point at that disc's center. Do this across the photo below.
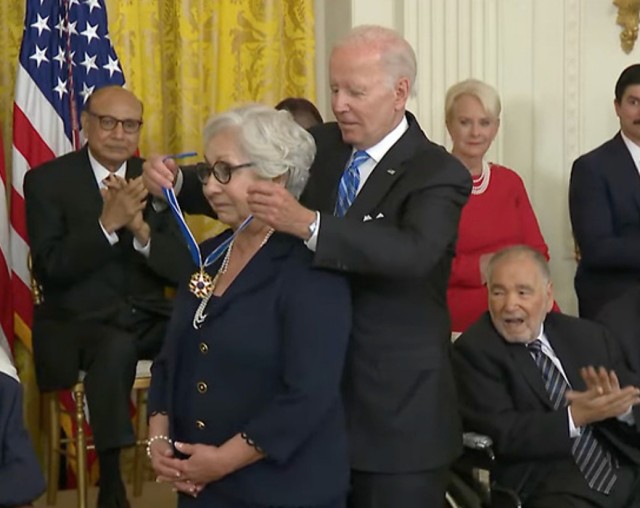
(552, 391)
(21, 480)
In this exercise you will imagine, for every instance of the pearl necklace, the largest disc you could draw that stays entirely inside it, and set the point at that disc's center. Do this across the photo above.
(200, 316)
(482, 182)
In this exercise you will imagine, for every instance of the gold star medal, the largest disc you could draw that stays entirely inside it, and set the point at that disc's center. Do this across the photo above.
(201, 284)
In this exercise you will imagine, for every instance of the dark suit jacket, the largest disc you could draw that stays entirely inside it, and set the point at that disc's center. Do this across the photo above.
(21, 479)
(83, 277)
(604, 203)
(622, 318)
(271, 353)
(502, 394)
(398, 386)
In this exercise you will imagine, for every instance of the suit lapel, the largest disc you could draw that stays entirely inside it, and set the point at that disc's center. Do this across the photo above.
(623, 164)
(388, 170)
(530, 371)
(566, 353)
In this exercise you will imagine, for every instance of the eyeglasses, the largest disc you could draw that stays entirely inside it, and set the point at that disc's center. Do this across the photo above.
(108, 123)
(221, 170)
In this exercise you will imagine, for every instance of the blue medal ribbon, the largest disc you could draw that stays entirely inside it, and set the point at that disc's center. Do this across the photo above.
(201, 283)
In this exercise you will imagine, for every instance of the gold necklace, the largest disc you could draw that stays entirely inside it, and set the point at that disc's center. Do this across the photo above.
(200, 316)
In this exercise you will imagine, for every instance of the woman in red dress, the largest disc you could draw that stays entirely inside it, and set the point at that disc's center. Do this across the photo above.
(498, 213)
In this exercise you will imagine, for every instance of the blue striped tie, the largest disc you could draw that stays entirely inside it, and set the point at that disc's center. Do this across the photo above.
(592, 459)
(349, 183)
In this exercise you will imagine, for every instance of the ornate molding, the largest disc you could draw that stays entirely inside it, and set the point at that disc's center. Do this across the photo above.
(628, 19)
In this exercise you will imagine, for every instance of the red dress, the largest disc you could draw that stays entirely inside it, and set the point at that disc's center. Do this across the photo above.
(499, 217)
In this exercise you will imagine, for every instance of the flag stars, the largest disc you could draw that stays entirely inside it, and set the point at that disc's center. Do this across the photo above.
(60, 27)
(41, 24)
(90, 32)
(112, 66)
(89, 62)
(72, 28)
(86, 91)
(60, 88)
(60, 57)
(39, 56)
(92, 4)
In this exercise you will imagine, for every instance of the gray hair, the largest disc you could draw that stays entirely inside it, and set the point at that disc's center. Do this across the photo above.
(271, 139)
(397, 55)
(486, 95)
(516, 251)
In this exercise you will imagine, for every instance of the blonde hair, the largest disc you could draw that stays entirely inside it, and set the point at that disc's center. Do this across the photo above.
(486, 95)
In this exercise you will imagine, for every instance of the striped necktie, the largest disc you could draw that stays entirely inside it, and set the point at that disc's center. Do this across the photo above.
(592, 459)
(349, 183)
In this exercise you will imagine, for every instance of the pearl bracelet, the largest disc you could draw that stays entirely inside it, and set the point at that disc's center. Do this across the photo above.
(159, 437)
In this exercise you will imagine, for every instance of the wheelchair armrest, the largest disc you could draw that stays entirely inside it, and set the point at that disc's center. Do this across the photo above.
(501, 497)
(480, 442)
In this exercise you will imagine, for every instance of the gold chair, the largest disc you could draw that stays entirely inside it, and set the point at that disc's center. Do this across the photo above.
(55, 442)
(82, 443)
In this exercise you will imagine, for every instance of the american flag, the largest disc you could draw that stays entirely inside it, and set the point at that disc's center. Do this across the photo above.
(6, 306)
(65, 55)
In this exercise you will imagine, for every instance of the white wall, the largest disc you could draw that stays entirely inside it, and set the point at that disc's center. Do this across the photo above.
(555, 63)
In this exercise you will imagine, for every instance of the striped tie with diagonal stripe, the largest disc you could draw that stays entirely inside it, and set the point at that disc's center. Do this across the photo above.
(349, 183)
(592, 459)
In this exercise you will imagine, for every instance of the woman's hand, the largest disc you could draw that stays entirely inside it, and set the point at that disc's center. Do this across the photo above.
(166, 473)
(205, 464)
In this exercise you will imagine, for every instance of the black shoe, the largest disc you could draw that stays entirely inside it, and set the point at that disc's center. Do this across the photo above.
(113, 496)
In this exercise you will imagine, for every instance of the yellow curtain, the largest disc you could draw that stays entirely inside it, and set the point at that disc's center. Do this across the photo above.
(186, 59)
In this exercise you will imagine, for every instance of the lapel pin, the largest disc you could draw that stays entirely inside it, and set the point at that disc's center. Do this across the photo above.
(391, 171)
(366, 218)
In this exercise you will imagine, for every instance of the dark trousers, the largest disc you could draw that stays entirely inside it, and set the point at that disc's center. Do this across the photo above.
(109, 356)
(107, 350)
(566, 487)
(407, 490)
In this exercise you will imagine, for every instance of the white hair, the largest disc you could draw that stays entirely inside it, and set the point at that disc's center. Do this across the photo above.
(271, 139)
(397, 55)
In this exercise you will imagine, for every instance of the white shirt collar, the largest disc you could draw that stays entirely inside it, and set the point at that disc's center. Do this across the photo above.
(100, 172)
(634, 149)
(378, 151)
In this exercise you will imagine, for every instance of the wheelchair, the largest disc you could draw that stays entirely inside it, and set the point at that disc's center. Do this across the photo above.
(470, 485)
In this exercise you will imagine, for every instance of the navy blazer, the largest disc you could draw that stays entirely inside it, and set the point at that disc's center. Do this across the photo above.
(267, 362)
(21, 480)
(604, 203)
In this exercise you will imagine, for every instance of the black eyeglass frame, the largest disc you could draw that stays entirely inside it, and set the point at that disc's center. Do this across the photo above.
(221, 171)
(106, 125)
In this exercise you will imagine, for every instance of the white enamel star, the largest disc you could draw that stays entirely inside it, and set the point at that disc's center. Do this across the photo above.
(41, 24)
(39, 56)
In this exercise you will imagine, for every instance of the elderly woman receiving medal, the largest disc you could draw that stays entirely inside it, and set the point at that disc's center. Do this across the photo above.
(245, 403)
